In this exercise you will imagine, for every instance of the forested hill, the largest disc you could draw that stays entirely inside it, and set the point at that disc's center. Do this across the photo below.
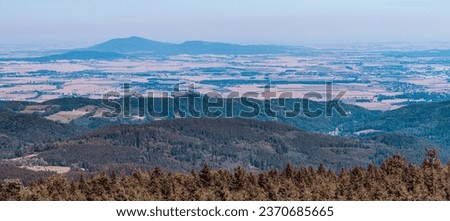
(183, 144)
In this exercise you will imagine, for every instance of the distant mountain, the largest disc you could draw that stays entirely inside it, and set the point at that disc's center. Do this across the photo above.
(133, 45)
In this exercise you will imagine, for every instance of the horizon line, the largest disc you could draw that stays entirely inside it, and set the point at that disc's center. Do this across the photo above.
(66, 45)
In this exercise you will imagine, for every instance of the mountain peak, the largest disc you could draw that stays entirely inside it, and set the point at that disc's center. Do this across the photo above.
(132, 38)
(132, 44)
(135, 37)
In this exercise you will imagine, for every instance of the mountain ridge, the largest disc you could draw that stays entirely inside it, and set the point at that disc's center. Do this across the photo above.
(134, 47)
(136, 44)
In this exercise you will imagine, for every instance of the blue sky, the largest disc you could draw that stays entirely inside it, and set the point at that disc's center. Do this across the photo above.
(83, 22)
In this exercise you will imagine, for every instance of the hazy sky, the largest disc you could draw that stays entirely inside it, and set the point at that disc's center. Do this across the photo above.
(82, 22)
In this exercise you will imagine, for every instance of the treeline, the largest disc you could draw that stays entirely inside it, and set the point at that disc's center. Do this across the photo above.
(395, 179)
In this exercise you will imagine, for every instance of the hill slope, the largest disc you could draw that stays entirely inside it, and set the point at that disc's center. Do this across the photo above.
(183, 144)
(428, 121)
(131, 45)
(18, 130)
